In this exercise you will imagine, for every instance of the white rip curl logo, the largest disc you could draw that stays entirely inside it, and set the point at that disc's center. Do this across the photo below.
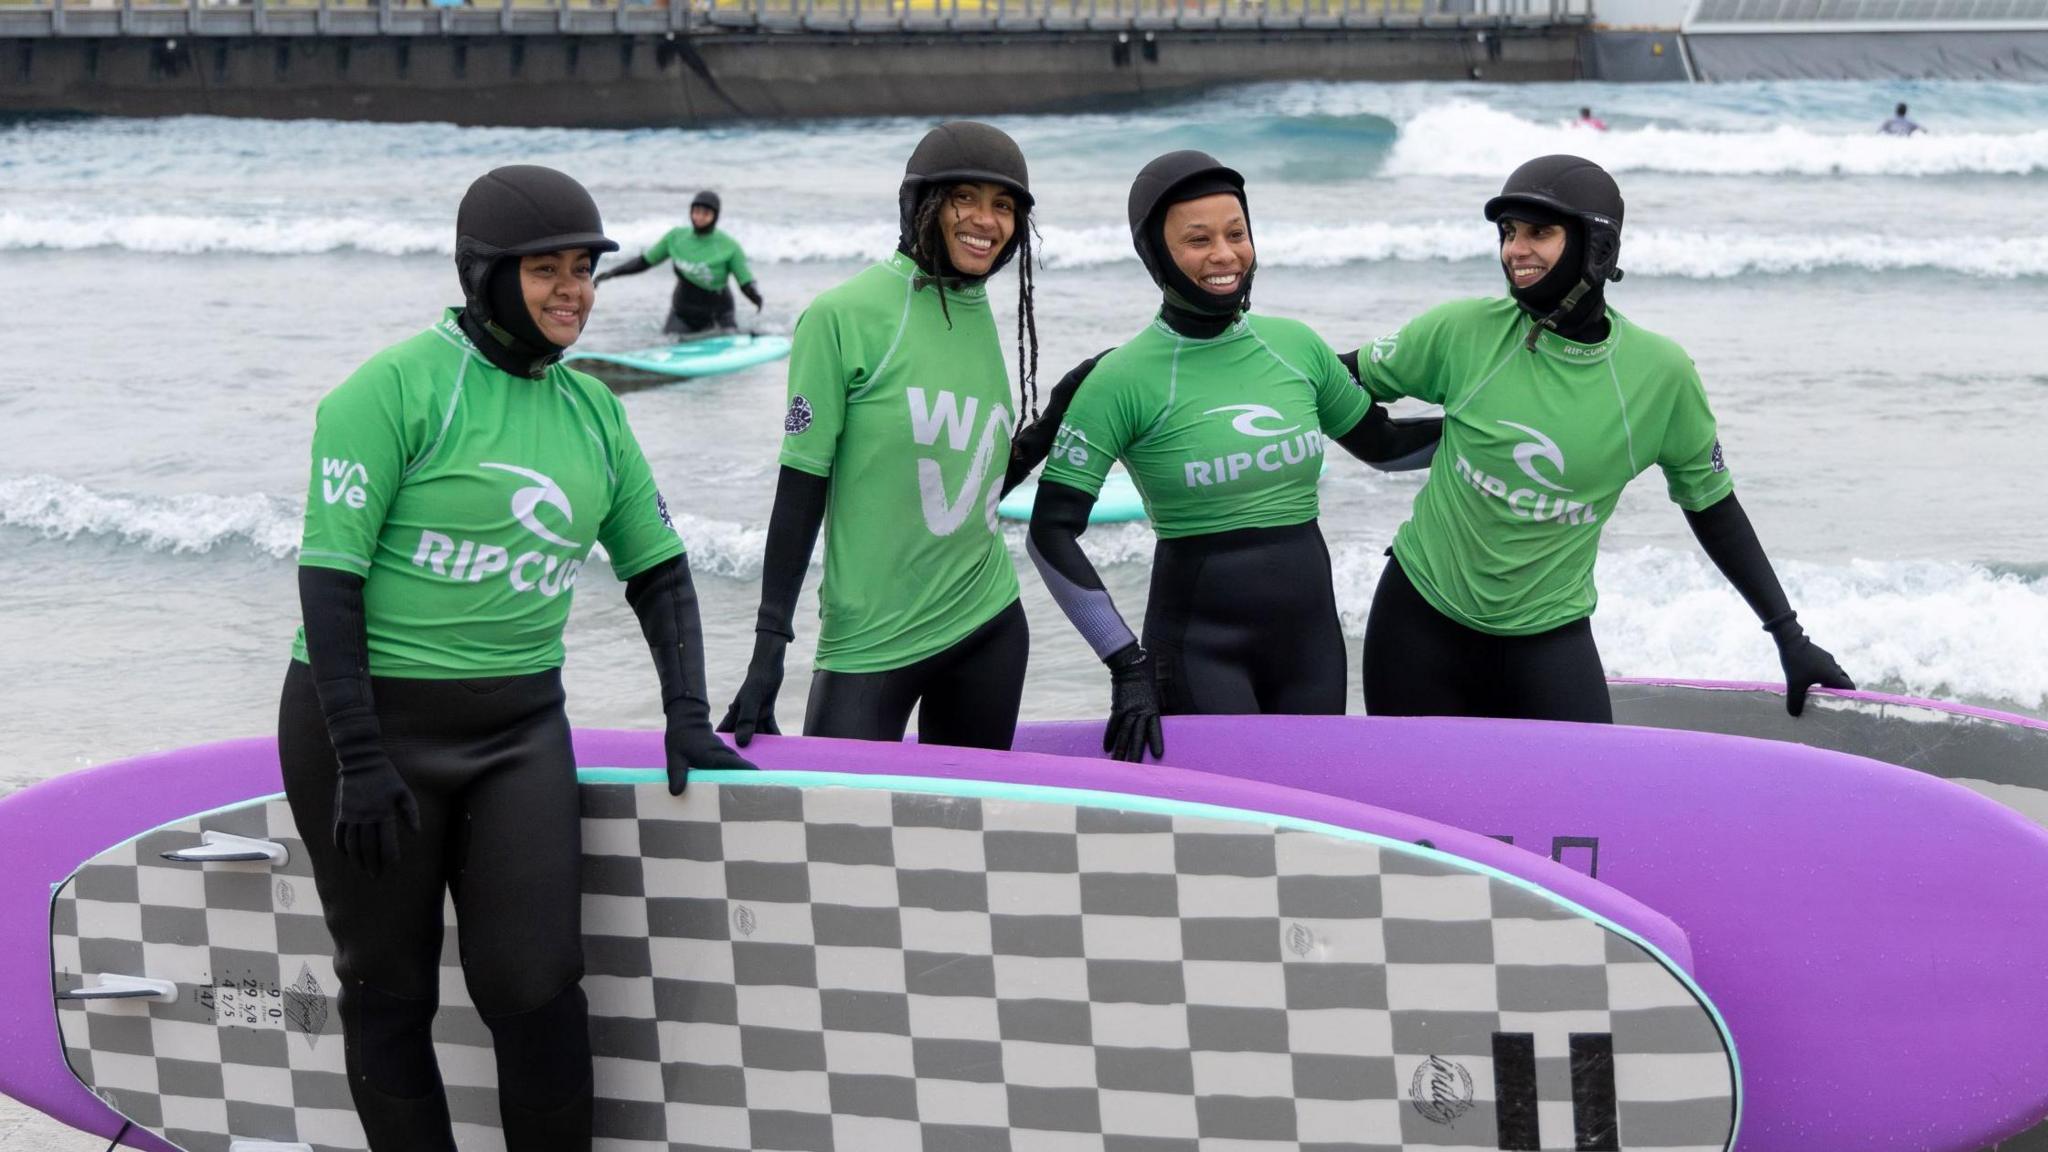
(797, 418)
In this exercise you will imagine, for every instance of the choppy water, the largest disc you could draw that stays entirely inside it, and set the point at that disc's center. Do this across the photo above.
(1866, 312)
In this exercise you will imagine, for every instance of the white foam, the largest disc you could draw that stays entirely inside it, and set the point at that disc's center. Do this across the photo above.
(1922, 627)
(59, 509)
(1462, 138)
(271, 525)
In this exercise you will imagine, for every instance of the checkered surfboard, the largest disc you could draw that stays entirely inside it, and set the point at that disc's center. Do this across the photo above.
(842, 964)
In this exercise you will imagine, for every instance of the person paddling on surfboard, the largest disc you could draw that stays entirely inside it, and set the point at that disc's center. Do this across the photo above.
(897, 434)
(1553, 402)
(459, 480)
(705, 259)
(1221, 418)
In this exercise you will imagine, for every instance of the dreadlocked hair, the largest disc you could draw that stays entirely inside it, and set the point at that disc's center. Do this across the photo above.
(928, 248)
(1027, 319)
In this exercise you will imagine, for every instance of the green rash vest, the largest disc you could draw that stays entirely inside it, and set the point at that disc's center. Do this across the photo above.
(1218, 434)
(702, 260)
(909, 415)
(468, 499)
(1537, 447)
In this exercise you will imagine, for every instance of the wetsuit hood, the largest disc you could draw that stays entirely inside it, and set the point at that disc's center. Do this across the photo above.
(1172, 179)
(1580, 195)
(509, 212)
(706, 199)
(962, 152)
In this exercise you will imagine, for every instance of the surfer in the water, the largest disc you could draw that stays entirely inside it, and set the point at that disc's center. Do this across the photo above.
(1221, 418)
(1553, 402)
(459, 480)
(898, 433)
(706, 259)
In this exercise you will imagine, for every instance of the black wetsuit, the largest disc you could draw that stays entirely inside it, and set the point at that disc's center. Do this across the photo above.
(489, 766)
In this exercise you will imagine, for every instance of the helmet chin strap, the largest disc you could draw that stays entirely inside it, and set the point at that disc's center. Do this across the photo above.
(1563, 309)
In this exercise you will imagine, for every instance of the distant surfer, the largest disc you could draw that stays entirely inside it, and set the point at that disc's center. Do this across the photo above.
(1222, 418)
(1553, 403)
(459, 481)
(897, 441)
(1588, 120)
(706, 259)
(1900, 124)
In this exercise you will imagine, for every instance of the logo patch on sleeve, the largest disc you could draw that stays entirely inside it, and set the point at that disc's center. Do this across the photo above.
(661, 506)
(798, 418)
(1720, 464)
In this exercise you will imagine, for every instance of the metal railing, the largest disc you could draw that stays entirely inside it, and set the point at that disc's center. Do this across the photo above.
(477, 17)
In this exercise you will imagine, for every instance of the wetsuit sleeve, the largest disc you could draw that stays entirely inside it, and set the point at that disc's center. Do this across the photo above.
(358, 459)
(792, 535)
(1695, 473)
(817, 395)
(1058, 518)
(1340, 401)
(1097, 428)
(1403, 364)
(637, 531)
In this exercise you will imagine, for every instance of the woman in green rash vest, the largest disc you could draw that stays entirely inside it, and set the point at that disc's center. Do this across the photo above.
(1221, 417)
(705, 259)
(460, 478)
(897, 437)
(1553, 402)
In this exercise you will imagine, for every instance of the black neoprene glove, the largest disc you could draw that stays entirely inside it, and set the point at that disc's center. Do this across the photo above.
(1033, 442)
(753, 710)
(1133, 707)
(370, 799)
(1806, 664)
(665, 599)
(752, 291)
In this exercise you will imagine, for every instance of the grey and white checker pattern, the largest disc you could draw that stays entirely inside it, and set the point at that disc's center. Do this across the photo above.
(839, 969)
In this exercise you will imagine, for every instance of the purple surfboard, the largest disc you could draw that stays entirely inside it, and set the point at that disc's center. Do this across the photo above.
(48, 830)
(1872, 934)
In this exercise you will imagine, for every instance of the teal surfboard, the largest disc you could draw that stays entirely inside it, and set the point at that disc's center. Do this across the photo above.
(1118, 503)
(709, 356)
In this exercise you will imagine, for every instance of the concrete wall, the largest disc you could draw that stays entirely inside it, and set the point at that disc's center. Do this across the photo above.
(590, 80)
(1636, 57)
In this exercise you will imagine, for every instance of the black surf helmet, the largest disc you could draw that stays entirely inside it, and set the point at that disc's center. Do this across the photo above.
(707, 199)
(514, 211)
(1169, 180)
(1588, 201)
(964, 152)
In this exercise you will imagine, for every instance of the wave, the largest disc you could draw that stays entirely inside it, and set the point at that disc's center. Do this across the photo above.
(1691, 255)
(1465, 139)
(58, 509)
(1937, 629)
(270, 525)
(1923, 627)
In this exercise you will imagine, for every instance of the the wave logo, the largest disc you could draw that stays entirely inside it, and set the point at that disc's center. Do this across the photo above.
(344, 482)
(527, 500)
(1247, 420)
(1383, 348)
(947, 417)
(1540, 447)
(1531, 503)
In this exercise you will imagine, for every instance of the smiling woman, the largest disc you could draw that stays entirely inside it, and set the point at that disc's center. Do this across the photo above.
(1221, 418)
(421, 729)
(558, 292)
(898, 433)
